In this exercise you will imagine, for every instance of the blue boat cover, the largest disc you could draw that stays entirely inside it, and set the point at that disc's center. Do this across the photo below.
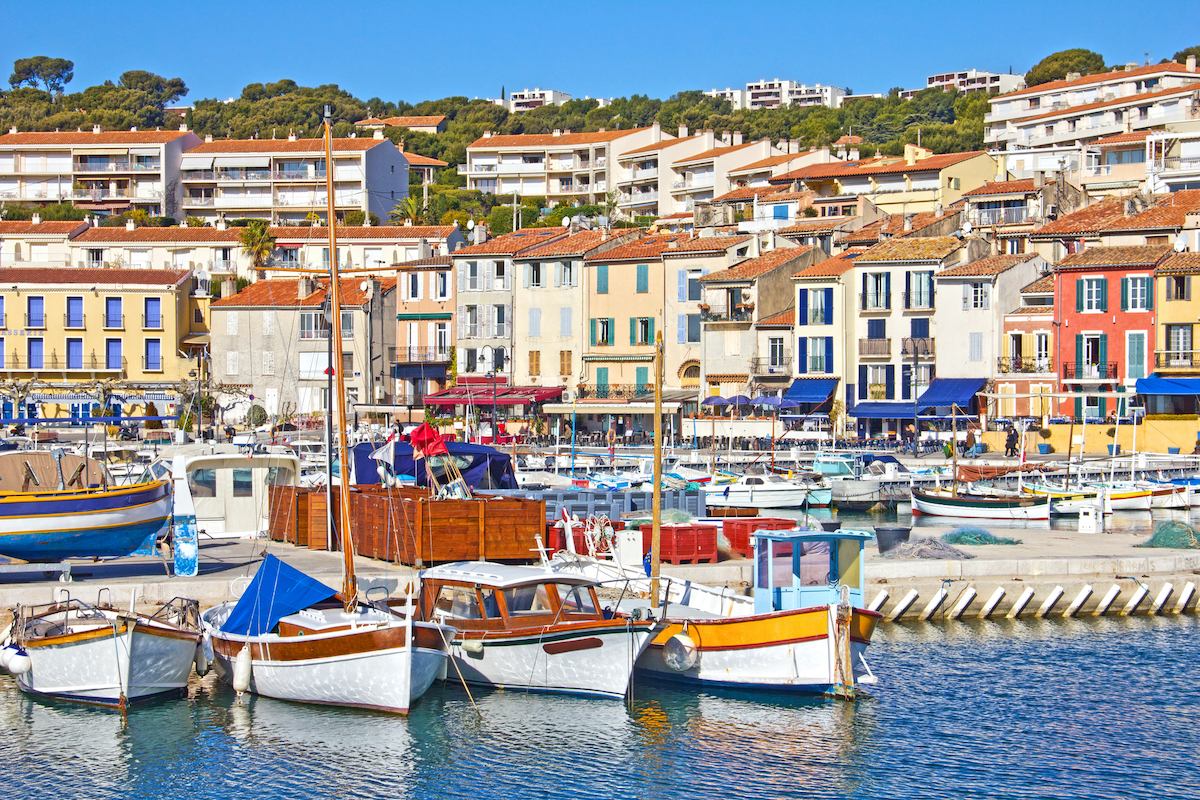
(1168, 386)
(811, 390)
(951, 391)
(275, 591)
(482, 467)
(876, 410)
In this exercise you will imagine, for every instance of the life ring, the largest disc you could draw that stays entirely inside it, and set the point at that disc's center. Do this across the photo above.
(612, 437)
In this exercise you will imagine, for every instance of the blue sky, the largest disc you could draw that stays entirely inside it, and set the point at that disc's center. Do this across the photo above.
(421, 51)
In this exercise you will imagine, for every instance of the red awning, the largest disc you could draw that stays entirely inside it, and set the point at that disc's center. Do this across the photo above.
(524, 395)
(485, 395)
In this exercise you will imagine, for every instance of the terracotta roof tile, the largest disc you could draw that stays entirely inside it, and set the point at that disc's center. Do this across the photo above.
(1088, 80)
(1122, 138)
(1003, 187)
(770, 161)
(1180, 263)
(224, 146)
(86, 138)
(989, 265)
(304, 233)
(511, 243)
(404, 122)
(418, 160)
(913, 248)
(867, 234)
(784, 319)
(647, 247)
(116, 235)
(1043, 309)
(284, 293)
(680, 215)
(425, 263)
(1092, 219)
(749, 193)
(705, 244)
(655, 147)
(577, 244)
(877, 166)
(28, 228)
(1043, 285)
(89, 275)
(832, 267)
(548, 139)
(1070, 111)
(1128, 256)
(823, 225)
(1169, 212)
(715, 152)
(753, 267)
(848, 139)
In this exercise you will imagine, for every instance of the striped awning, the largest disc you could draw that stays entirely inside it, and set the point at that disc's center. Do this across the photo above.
(62, 397)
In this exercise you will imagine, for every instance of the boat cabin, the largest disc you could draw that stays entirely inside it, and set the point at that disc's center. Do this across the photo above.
(807, 568)
(483, 596)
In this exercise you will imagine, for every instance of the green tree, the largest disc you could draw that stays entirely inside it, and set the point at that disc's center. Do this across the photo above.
(194, 222)
(163, 90)
(410, 208)
(256, 242)
(1057, 66)
(358, 218)
(1182, 55)
(53, 73)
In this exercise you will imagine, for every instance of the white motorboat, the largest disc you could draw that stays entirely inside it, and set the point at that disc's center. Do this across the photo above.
(772, 491)
(99, 654)
(531, 628)
(1109, 497)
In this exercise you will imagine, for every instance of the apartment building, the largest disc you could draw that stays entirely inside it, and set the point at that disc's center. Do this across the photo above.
(374, 247)
(560, 166)
(271, 340)
(704, 176)
(37, 242)
(284, 180)
(529, 99)
(103, 171)
(970, 80)
(212, 254)
(425, 124)
(425, 307)
(79, 332)
(779, 93)
(1027, 361)
(1176, 355)
(1174, 159)
(1121, 221)
(1116, 164)
(643, 176)
(1005, 212)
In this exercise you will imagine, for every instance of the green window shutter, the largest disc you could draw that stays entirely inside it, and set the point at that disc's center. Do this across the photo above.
(1150, 294)
(602, 376)
(643, 278)
(1078, 408)
(1104, 294)
(612, 330)
(602, 279)
(651, 330)
(642, 376)
(1124, 294)
(1078, 353)
(1104, 356)
(1103, 407)
(1079, 294)
(633, 330)
(592, 326)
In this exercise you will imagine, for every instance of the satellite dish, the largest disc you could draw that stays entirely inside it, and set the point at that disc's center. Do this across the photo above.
(471, 225)
(566, 222)
(966, 228)
(1180, 242)
(362, 287)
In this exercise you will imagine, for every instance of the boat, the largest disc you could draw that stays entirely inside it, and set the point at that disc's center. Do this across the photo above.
(84, 516)
(72, 650)
(773, 491)
(522, 627)
(291, 637)
(975, 504)
(1110, 497)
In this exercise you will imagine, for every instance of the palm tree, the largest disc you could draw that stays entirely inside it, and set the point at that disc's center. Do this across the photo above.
(257, 242)
(410, 207)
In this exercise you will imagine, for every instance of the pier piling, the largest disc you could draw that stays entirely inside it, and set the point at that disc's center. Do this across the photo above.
(879, 600)
(1163, 596)
(1022, 601)
(1078, 602)
(1108, 599)
(903, 605)
(992, 602)
(1134, 601)
(1184, 597)
(934, 604)
(964, 600)
(1048, 606)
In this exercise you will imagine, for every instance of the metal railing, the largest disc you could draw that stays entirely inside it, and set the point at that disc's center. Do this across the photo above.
(408, 355)
(14, 362)
(616, 390)
(114, 322)
(298, 175)
(633, 198)
(198, 175)
(240, 174)
(820, 316)
(924, 346)
(1166, 359)
(152, 363)
(1174, 163)
(1084, 371)
(1001, 216)
(36, 321)
(74, 320)
(872, 301)
(1025, 364)
(771, 365)
(722, 314)
(918, 300)
(152, 322)
(875, 347)
(198, 201)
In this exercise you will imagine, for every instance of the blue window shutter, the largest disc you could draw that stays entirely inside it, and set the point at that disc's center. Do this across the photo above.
(862, 381)
(683, 292)
(643, 278)
(907, 289)
(889, 381)
(906, 381)
(1104, 294)
(602, 279)
(828, 354)
(828, 306)
(780, 212)
(802, 314)
(862, 299)
(682, 329)
(887, 290)
(1079, 294)
(592, 326)
(802, 356)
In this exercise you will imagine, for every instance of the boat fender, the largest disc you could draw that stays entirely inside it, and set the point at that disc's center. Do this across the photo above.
(474, 646)
(241, 670)
(19, 663)
(680, 652)
(6, 654)
(200, 660)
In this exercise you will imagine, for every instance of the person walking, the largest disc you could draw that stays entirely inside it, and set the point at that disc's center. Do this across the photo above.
(1010, 443)
(969, 444)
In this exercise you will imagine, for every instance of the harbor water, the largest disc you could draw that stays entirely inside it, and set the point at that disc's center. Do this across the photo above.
(1033, 708)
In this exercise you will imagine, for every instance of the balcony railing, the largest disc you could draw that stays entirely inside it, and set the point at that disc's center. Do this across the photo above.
(199, 175)
(1025, 364)
(875, 347)
(410, 355)
(723, 314)
(924, 346)
(152, 363)
(153, 322)
(118, 166)
(921, 300)
(617, 390)
(114, 322)
(820, 316)
(692, 184)
(235, 174)
(872, 301)
(1175, 163)
(198, 201)
(73, 321)
(635, 198)
(772, 365)
(1084, 371)
(298, 175)
(1178, 359)
(14, 362)
(35, 321)
(1001, 216)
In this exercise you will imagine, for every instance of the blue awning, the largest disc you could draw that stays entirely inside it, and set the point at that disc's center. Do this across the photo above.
(275, 591)
(1168, 386)
(882, 411)
(811, 390)
(951, 391)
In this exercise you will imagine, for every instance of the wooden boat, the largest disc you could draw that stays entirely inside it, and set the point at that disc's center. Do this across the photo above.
(1109, 497)
(293, 638)
(979, 505)
(725, 511)
(528, 628)
(99, 654)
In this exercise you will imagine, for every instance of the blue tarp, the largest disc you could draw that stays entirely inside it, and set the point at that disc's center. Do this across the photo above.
(481, 466)
(877, 410)
(811, 390)
(276, 591)
(951, 391)
(1169, 386)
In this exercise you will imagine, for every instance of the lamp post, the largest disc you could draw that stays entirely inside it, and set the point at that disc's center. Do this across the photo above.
(915, 344)
(491, 376)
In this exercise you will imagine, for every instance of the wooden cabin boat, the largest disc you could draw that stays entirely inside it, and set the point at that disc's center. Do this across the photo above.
(529, 628)
(979, 505)
(99, 654)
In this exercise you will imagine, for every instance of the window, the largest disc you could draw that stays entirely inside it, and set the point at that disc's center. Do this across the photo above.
(347, 324)
(602, 330)
(36, 352)
(535, 362)
(602, 279)
(74, 315)
(775, 348)
(499, 276)
(568, 273)
(920, 290)
(535, 322)
(35, 316)
(564, 362)
(268, 367)
(441, 286)
(641, 330)
(347, 364)
(112, 354)
(535, 275)
(312, 325)
(1136, 294)
(818, 313)
(500, 315)
(975, 347)
(876, 291)
(243, 482)
(643, 278)
(268, 323)
(414, 286)
(441, 337)
(816, 354)
(695, 289)
(1095, 291)
(473, 276)
(1179, 344)
(693, 328)
(95, 258)
(876, 329)
(198, 316)
(472, 360)
(74, 353)
(153, 355)
(564, 321)
(231, 323)
(152, 314)
(289, 257)
(469, 323)
(1179, 288)
(977, 295)
(1135, 352)
(231, 362)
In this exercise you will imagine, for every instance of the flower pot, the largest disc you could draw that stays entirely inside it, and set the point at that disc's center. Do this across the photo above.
(1044, 448)
(1173, 451)
(1114, 449)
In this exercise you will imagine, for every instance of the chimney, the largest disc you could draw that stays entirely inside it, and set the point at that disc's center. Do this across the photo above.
(133, 129)
(221, 223)
(292, 136)
(656, 132)
(825, 159)
(908, 218)
(1191, 63)
(855, 155)
(37, 219)
(423, 249)
(557, 132)
(1001, 167)
(673, 244)
(1039, 179)
(379, 135)
(1073, 76)
(481, 233)
(910, 155)
(304, 287)
(96, 129)
(228, 287)
(937, 209)
(737, 138)
(182, 224)
(754, 251)
(130, 225)
(487, 134)
(725, 138)
(13, 129)
(208, 138)
(710, 140)
(183, 128)
(408, 222)
(683, 131)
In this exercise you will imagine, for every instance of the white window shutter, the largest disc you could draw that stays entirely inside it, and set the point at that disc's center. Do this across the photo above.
(535, 322)
(231, 326)
(487, 276)
(508, 278)
(987, 296)
(462, 322)
(683, 287)
(682, 328)
(431, 342)
(462, 276)
(564, 321)
(231, 362)
(966, 296)
(489, 320)
(557, 274)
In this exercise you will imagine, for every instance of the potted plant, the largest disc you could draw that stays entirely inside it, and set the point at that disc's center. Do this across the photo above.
(1113, 449)
(1045, 447)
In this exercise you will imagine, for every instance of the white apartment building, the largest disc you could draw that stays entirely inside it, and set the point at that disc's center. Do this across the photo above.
(704, 176)
(644, 176)
(560, 166)
(212, 254)
(374, 247)
(529, 99)
(102, 171)
(778, 93)
(971, 80)
(34, 243)
(284, 180)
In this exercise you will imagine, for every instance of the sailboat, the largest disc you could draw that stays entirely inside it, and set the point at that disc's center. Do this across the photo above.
(291, 637)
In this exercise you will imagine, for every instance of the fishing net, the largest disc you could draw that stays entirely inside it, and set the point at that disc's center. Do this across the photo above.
(975, 536)
(927, 547)
(1173, 534)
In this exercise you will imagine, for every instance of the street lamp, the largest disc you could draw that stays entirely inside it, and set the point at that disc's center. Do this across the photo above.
(491, 376)
(916, 344)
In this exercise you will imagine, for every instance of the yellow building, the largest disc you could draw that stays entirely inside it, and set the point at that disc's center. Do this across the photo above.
(71, 338)
(1177, 309)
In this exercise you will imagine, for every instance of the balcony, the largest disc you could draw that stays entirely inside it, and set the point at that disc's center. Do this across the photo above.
(1085, 371)
(1015, 215)
(74, 321)
(776, 365)
(97, 195)
(198, 175)
(118, 166)
(35, 321)
(638, 198)
(875, 301)
(724, 314)
(875, 348)
(689, 184)
(1026, 365)
(152, 322)
(13, 362)
(152, 363)
(1177, 359)
(114, 322)
(922, 301)
(421, 355)
(616, 390)
(243, 174)
(198, 201)
(924, 346)
(221, 265)
(644, 174)
(298, 175)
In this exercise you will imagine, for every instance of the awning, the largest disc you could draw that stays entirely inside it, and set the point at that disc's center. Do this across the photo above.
(1168, 386)
(951, 391)
(811, 390)
(524, 395)
(196, 338)
(243, 161)
(196, 162)
(144, 151)
(419, 371)
(609, 407)
(62, 397)
(876, 410)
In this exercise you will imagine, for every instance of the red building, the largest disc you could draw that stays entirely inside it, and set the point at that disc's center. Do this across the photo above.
(1104, 314)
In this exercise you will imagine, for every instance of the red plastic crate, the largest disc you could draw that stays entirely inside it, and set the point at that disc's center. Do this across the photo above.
(739, 531)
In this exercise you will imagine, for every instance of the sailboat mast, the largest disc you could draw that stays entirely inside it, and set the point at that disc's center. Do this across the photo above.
(349, 585)
(656, 503)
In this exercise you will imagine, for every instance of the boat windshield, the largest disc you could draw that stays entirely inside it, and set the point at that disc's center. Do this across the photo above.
(467, 602)
(576, 600)
(528, 601)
